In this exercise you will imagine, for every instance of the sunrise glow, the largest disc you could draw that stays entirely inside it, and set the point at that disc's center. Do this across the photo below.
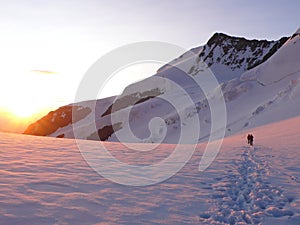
(47, 47)
(28, 94)
(22, 112)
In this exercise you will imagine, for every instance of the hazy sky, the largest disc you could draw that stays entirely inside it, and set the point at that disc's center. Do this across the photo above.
(47, 46)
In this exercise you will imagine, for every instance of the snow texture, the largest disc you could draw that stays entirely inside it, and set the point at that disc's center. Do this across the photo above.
(46, 181)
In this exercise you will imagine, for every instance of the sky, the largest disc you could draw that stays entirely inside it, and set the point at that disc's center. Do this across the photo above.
(47, 46)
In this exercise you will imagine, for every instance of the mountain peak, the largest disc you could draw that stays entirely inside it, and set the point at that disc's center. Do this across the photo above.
(217, 38)
(239, 42)
(237, 53)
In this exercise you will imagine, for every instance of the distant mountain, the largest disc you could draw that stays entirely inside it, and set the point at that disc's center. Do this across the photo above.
(228, 57)
(259, 80)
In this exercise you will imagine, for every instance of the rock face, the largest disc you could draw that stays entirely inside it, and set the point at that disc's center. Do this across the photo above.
(57, 119)
(237, 54)
(105, 132)
(130, 100)
(239, 65)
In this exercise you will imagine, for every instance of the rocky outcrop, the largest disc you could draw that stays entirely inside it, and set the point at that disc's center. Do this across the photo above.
(56, 119)
(237, 52)
(130, 100)
(105, 132)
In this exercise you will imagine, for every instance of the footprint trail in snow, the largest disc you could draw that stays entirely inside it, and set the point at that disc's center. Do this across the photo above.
(243, 196)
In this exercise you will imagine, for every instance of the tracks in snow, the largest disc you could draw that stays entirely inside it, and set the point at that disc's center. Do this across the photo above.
(243, 196)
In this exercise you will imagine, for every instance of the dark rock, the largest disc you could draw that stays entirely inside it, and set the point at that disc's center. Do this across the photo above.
(60, 136)
(57, 119)
(105, 132)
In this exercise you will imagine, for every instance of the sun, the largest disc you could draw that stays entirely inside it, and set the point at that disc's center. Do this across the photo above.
(22, 112)
(23, 109)
(26, 95)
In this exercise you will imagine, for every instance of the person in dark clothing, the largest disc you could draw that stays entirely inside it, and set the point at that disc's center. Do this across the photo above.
(250, 139)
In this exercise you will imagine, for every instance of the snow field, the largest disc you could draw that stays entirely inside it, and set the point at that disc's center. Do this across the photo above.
(46, 181)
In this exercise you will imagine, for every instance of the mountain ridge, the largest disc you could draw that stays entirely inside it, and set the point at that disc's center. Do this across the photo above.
(140, 108)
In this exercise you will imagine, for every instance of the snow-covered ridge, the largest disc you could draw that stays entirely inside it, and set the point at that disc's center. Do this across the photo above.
(267, 93)
(228, 57)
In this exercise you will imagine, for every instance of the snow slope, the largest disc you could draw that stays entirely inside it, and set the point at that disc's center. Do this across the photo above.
(267, 93)
(130, 117)
(46, 181)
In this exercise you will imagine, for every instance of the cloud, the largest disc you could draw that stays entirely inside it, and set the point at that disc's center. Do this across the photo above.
(46, 72)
